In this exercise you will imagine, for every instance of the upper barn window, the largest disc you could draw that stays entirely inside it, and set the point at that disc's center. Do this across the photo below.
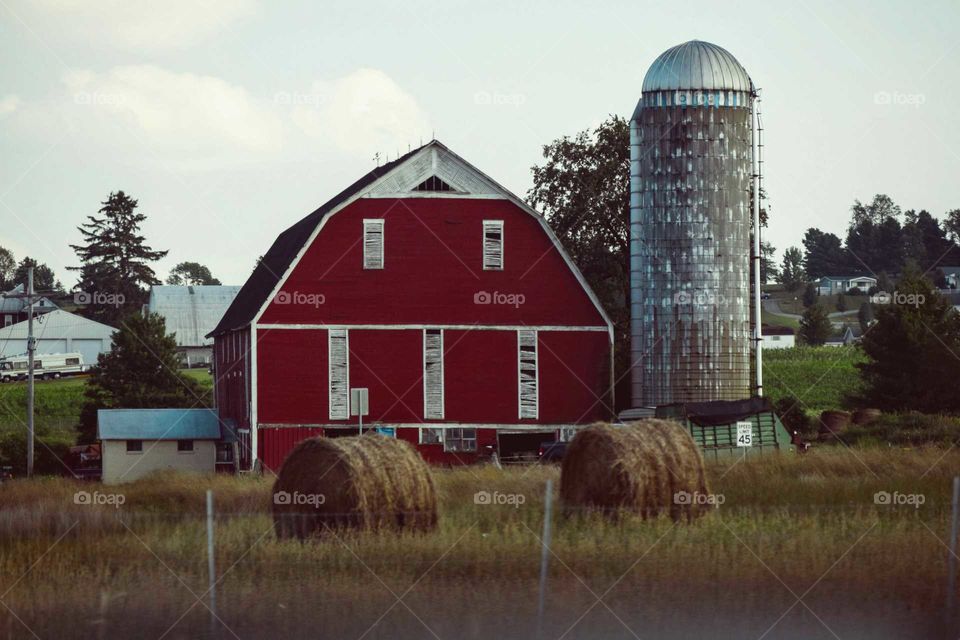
(433, 183)
(373, 244)
(492, 245)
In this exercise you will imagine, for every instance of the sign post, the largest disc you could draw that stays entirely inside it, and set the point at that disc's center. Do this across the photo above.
(359, 404)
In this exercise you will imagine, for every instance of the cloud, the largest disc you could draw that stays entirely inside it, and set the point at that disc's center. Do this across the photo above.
(9, 104)
(362, 113)
(148, 24)
(199, 117)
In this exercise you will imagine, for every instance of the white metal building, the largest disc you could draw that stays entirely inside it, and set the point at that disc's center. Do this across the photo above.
(59, 332)
(191, 312)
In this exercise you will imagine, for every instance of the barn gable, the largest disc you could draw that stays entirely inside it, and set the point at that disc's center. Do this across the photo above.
(431, 171)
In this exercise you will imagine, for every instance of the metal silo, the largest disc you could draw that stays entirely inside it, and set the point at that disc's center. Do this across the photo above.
(690, 177)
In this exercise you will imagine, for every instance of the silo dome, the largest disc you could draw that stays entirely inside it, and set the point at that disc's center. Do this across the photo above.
(696, 65)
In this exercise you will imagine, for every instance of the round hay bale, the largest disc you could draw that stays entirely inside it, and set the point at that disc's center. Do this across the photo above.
(832, 423)
(645, 467)
(363, 482)
(865, 416)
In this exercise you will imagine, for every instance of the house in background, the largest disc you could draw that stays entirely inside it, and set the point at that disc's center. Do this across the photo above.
(191, 312)
(952, 275)
(444, 295)
(137, 442)
(832, 285)
(14, 310)
(845, 335)
(59, 332)
(776, 337)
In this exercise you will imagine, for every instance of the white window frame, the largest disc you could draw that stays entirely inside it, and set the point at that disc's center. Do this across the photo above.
(344, 412)
(525, 413)
(371, 261)
(431, 430)
(492, 225)
(429, 414)
(449, 439)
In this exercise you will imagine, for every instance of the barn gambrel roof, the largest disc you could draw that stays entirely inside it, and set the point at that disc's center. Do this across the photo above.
(400, 178)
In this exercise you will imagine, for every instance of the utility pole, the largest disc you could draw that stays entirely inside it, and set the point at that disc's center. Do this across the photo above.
(30, 296)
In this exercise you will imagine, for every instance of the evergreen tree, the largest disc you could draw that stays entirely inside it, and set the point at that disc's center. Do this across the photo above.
(792, 275)
(768, 263)
(140, 371)
(810, 295)
(823, 255)
(7, 268)
(912, 351)
(815, 326)
(43, 277)
(191, 273)
(115, 269)
(841, 302)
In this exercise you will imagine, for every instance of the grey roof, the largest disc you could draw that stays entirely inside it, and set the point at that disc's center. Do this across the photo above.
(58, 324)
(158, 424)
(696, 65)
(191, 312)
(16, 305)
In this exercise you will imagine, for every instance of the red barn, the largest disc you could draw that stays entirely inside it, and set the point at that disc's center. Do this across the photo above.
(440, 292)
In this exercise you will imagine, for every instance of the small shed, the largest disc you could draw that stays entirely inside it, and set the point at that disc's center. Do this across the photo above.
(137, 442)
(777, 337)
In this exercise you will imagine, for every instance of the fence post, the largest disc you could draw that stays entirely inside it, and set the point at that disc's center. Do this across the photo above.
(210, 564)
(952, 558)
(544, 553)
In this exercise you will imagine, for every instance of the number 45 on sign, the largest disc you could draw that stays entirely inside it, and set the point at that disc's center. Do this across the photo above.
(744, 434)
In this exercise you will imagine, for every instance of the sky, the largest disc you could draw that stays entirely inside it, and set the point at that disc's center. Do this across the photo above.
(229, 120)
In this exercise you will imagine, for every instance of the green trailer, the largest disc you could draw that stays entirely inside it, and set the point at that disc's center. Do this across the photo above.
(717, 426)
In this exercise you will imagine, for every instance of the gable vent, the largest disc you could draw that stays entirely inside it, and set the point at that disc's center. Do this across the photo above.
(433, 183)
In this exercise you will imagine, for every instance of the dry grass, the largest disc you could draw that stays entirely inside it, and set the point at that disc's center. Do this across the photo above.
(796, 518)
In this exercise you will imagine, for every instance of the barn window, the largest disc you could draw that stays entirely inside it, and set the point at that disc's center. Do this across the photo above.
(433, 374)
(458, 439)
(185, 446)
(134, 446)
(373, 244)
(338, 348)
(431, 435)
(493, 245)
(527, 362)
(433, 183)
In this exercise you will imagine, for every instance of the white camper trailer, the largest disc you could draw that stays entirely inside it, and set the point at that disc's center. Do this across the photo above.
(46, 366)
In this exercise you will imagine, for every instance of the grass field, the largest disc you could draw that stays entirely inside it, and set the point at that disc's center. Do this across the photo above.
(789, 527)
(819, 377)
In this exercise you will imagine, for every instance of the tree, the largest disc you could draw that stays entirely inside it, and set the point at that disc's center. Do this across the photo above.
(841, 303)
(7, 267)
(912, 351)
(792, 275)
(583, 190)
(115, 267)
(815, 326)
(768, 263)
(43, 277)
(191, 273)
(809, 295)
(865, 316)
(952, 225)
(140, 371)
(880, 210)
(823, 255)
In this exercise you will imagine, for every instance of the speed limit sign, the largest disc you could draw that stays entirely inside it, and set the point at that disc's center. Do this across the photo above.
(745, 434)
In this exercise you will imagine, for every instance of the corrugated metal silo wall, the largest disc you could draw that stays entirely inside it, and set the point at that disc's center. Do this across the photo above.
(690, 254)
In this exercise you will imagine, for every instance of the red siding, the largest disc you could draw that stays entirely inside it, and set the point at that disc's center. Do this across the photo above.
(276, 442)
(574, 376)
(292, 376)
(389, 364)
(480, 376)
(433, 270)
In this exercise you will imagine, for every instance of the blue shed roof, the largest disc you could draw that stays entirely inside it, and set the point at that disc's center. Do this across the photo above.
(158, 424)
